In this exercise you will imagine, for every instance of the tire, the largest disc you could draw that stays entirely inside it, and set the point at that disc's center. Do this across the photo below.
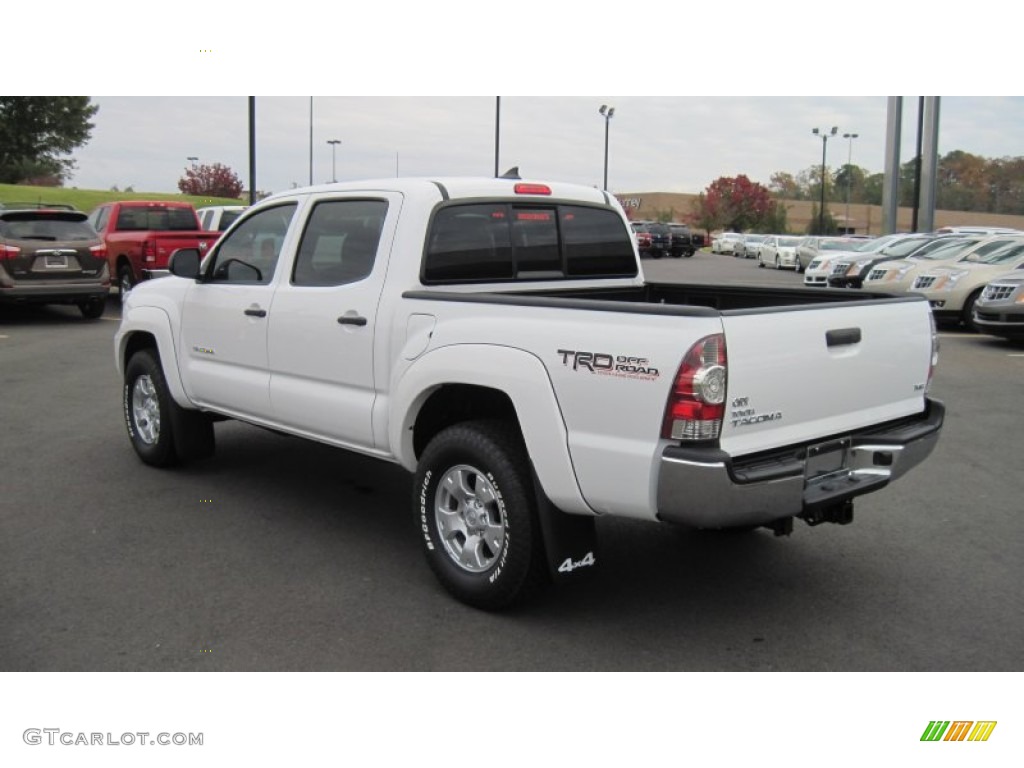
(161, 432)
(778, 263)
(968, 312)
(92, 309)
(475, 509)
(760, 263)
(125, 281)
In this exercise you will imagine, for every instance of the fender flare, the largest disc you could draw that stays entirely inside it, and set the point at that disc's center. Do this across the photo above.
(154, 322)
(522, 377)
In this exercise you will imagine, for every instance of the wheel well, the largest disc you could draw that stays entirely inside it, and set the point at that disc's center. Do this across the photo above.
(454, 403)
(124, 261)
(138, 342)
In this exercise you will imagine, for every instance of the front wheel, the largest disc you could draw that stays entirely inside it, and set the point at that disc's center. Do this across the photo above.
(968, 312)
(161, 431)
(476, 514)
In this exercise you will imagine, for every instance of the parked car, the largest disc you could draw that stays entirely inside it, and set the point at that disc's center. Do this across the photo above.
(217, 218)
(682, 240)
(816, 271)
(999, 310)
(726, 242)
(52, 257)
(779, 251)
(750, 246)
(953, 289)
(856, 268)
(658, 240)
(898, 276)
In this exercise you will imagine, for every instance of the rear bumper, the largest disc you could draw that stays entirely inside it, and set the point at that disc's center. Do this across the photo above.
(63, 293)
(706, 488)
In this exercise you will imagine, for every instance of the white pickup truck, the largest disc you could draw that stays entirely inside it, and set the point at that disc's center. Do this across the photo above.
(496, 337)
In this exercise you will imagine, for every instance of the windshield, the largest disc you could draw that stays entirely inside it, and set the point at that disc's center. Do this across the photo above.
(788, 242)
(982, 252)
(871, 246)
(904, 247)
(1010, 253)
(947, 250)
(835, 245)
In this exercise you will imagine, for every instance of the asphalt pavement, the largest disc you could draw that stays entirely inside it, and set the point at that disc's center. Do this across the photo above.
(282, 554)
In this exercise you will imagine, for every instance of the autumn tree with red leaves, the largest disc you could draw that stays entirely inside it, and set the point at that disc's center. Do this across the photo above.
(212, 180)
(736, 204)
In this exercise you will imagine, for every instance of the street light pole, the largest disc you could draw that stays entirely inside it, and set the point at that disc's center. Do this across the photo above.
(824, 143)
(849, 179)
(607, 113)
(334, 168)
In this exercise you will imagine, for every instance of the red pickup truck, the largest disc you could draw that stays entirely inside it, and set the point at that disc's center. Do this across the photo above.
(141, 235)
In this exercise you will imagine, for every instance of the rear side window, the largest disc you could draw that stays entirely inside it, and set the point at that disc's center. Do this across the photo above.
(340, 242)
(502, 242)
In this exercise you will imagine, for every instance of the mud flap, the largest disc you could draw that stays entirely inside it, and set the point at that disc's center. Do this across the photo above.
(570, 541)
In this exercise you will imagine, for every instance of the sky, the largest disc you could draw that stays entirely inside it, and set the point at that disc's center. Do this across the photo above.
(656, 143)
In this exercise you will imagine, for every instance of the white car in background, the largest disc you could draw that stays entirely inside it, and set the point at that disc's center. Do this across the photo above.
(820, 267)
(751, 245)
(898, 276)
(779, 251)
(952, 289)
(726, 242)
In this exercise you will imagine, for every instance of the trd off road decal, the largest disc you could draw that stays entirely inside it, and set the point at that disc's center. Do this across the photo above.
(604, 364)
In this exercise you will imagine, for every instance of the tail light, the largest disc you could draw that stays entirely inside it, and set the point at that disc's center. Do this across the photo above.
(148, 251)
(9, 252)
(98, 251)
(696, 404)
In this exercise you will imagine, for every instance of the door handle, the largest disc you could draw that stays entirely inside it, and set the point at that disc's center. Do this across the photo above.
(842, 336)
(256, 312)
(352, 320)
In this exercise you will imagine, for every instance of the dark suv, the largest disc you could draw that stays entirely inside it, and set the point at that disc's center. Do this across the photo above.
(50, 256)
(682, 240)
(654, 239)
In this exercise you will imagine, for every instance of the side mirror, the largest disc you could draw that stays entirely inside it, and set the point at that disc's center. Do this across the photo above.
(184, 262)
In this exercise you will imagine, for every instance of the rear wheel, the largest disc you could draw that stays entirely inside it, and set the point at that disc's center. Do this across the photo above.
(476, 512)
(92, 309)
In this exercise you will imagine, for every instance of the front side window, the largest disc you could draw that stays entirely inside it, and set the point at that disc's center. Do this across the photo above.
(249, 254)
(340, 242)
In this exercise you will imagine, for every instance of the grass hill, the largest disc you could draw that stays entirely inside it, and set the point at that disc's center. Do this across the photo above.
(87, 199)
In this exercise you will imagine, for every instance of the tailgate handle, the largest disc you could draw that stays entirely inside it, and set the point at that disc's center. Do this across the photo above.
(842, 336)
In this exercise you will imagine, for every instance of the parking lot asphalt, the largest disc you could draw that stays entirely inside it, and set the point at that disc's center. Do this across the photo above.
(282, 554)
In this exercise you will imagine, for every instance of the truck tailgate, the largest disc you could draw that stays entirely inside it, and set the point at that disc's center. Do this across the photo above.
(807, 373)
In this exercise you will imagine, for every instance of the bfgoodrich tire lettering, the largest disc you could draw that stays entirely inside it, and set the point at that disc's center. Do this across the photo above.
(476, 515)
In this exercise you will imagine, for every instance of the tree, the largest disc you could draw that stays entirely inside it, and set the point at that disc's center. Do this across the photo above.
(37, 131)
(813, 226)
(214, 180)
(735, 203)
(785, 185)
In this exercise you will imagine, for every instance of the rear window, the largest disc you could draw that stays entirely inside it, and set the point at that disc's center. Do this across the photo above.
(501, 241)
(31, 225)
(157, 219)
